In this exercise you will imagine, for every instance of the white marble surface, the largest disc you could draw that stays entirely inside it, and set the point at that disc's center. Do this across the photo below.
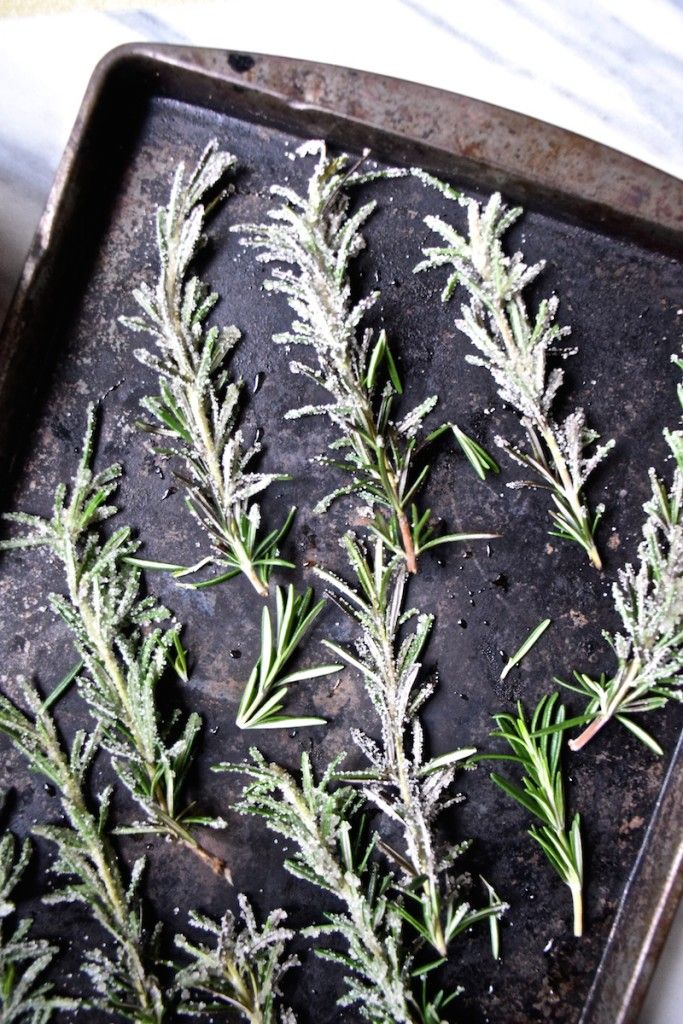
(609, 69)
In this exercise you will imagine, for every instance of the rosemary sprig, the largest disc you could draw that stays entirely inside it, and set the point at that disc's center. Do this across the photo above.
(268, 684)
(532, 639)
(315, 238)
(406, 785)
(123, 647)
(24, 998)
(241, 971)
(537, 752)
(513, 345)
(317, 820)
(649, 602)
(124, 979)
(196, 410)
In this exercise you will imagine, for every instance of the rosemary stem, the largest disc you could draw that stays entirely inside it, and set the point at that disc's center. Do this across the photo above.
(407, 539)
(630, 674)
(388, 478)
(210, 456)
(247, 566)
(589, 732)
(577, 906)
(212, 463)
(348, 892)
(115, 897)
(112, 668)
(571, 493)
(113, 671)
(559, 462)
(217, 864)
(414, 822)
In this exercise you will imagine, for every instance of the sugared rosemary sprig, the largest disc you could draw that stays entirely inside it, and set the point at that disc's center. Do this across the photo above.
(24, 997)
(513, 345)
(317, 818)
(410, 788)
(123, 646)
(124, 979)
(315, 238)
(537, 750)
(241, 971)
(649, 602)
(268, 683)
(196, 411)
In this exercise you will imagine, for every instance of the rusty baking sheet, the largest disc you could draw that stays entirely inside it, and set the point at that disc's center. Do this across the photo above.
(610, 228)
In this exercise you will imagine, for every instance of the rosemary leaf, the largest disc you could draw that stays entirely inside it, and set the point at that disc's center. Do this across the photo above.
(513, 345)
(494, 926)
(537, 751)
(63, 685)
(478, 458)
(196, 410)
(534, 636)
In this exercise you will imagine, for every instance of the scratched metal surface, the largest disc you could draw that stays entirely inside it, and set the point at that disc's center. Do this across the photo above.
(621, 299)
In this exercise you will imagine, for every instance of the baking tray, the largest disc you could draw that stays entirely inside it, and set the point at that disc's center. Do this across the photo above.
(610, 228)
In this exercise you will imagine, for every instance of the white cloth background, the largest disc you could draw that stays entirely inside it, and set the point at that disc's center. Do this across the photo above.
(608, 69)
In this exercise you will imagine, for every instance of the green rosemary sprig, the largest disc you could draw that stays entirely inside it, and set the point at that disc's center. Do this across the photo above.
(268, 683)
(317, 819)
(241, 971)
(123, 647)
(406, 785)
(196, 410)
(24, 998)
(124, 979)
(649, 602)
(315, 238)
(537, 749)
(513, 345)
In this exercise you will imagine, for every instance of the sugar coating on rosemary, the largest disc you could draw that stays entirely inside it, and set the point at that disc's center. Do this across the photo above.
(24, 996)
(536, 747)
(513, 344)
(241, 970)
(649, 601)
(315, 237)
(124, 648)
(124, 977)
(405, 784)
(318, 818)
(196, 412)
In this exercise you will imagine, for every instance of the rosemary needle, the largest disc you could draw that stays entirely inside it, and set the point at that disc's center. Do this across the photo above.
(532, 638)
(478, 458)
